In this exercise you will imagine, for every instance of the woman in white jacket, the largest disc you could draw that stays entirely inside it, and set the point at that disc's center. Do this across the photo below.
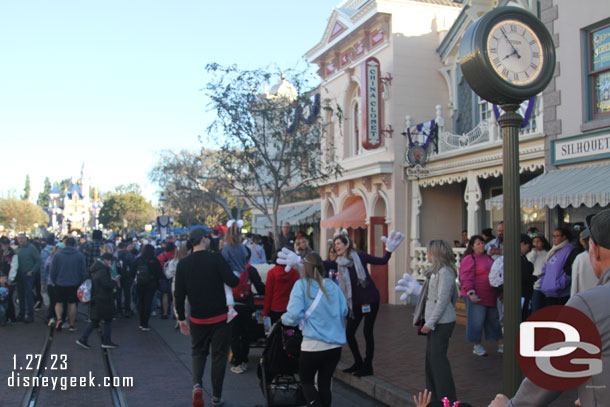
(440, 319)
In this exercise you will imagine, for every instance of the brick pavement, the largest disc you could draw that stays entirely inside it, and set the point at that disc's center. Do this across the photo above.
(17, 339)
(400, 356)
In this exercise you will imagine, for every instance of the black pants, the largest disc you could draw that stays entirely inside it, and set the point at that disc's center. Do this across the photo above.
(324, 364)
(369, 324)
(145, 295)
(275, 315)
(124, 295)
(10, 312)
(218, 336)
(556, 301)
(439, 379)
(240, 341)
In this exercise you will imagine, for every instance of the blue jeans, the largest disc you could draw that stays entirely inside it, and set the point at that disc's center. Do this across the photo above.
(25, 284)
(94, 324)
(538, 300)
(481, 317)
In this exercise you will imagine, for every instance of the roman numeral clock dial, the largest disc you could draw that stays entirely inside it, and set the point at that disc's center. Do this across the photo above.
(507, 55)
(515, 52)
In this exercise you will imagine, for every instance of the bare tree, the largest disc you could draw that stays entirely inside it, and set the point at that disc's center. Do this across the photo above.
(270, 144)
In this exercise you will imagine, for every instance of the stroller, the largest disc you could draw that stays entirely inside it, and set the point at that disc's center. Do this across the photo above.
(278, 367)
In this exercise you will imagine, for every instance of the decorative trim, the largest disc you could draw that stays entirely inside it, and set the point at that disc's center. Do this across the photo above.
(367, 182)
(387, 180)
(335, 189)
(381, 195)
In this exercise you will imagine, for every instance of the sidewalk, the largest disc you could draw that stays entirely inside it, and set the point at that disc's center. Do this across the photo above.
(400, 359)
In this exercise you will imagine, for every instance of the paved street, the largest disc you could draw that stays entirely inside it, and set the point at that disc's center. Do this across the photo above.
(159, 362)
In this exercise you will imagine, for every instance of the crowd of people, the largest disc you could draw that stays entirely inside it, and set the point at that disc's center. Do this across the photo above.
(205, 283)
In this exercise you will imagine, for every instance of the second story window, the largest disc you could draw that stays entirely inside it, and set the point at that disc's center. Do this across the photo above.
(598, 71)
(485, 110)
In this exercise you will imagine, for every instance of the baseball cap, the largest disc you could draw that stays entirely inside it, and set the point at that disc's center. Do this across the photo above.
(197, 234)
(597, 227)
(4, 240)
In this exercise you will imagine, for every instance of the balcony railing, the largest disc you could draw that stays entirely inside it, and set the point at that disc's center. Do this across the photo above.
(486, 132)
(420, 262)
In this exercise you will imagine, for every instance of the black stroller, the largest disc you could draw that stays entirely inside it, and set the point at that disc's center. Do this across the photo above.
(278, 368)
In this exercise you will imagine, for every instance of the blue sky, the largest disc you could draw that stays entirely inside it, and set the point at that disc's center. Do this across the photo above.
(112, 83)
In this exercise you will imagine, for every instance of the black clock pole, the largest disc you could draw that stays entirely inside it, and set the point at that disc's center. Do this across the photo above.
(510, 121)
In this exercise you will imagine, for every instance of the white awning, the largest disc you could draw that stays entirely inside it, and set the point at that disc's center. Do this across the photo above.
(576, 186)
(296, 215)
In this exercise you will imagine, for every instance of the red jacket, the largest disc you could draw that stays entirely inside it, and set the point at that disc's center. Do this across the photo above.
(164, 257)
(277, 289)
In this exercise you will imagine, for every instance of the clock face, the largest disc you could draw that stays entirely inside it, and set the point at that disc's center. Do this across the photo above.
(515, 52)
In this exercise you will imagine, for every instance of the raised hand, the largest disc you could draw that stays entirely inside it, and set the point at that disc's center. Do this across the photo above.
(288, 258)
(393, 240)
(422, 400)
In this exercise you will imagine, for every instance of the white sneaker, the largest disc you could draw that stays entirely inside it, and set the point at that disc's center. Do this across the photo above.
(65, 325)
(52, 322)
(479, 350)
(244, 366)
(501, 348)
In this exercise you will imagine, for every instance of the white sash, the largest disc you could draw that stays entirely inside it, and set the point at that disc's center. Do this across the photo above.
(311, 309)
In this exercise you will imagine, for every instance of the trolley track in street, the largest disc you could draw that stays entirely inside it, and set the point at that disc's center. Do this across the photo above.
(33, 396)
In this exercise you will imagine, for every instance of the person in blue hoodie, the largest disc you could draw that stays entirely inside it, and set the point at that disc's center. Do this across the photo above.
(319, 307)
(68, 271)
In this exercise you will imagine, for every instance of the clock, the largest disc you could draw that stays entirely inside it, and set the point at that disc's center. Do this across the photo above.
(507, 56)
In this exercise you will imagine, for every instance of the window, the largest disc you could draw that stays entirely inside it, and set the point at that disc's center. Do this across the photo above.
(485, 111)
(598, 71)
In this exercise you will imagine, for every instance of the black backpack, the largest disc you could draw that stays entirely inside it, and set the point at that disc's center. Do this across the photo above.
(144, 275)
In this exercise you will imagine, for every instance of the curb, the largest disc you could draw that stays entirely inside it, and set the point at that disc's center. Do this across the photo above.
(378, 389)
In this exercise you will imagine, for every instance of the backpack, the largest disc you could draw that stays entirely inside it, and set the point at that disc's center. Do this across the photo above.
(144, 275)
(243, 289)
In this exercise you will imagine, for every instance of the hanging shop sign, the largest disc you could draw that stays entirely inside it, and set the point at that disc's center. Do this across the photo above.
(420, 137)
(372, 117)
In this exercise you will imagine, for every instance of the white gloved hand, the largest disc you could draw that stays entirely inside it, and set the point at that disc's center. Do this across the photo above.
(408, 286)
(289, 258)
(393, 240)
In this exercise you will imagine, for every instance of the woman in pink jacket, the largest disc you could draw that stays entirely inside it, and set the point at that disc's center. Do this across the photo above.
(480, 297)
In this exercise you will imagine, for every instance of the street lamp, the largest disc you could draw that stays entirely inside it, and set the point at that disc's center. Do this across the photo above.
(162, 202)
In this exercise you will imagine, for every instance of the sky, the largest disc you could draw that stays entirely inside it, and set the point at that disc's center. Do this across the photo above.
(112, 83)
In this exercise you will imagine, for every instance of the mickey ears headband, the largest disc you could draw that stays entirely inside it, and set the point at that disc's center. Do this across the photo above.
(342, 233)
(240, 223)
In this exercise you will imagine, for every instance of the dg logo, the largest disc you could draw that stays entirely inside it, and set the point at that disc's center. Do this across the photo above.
(559, 348)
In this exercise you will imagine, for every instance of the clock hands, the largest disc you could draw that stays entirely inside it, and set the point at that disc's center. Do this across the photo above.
(511, 44)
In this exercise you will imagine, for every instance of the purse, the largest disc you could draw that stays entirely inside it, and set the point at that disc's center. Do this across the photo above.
(418, 315)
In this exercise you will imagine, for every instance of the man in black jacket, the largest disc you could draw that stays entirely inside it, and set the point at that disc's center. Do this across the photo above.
(200, 277)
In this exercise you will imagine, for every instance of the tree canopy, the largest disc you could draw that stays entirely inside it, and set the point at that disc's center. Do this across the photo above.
(43, 196)
(129, 206)
(194, 191)
(21, 215)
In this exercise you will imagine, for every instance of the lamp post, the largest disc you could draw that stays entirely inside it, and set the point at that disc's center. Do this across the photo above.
(506, 66)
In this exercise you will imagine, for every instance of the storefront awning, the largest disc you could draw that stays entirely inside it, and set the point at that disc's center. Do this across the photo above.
(577, 186)
(296, 215)
(354, 216)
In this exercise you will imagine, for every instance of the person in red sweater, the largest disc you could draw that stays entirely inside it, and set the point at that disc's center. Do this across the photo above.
(277, 292)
